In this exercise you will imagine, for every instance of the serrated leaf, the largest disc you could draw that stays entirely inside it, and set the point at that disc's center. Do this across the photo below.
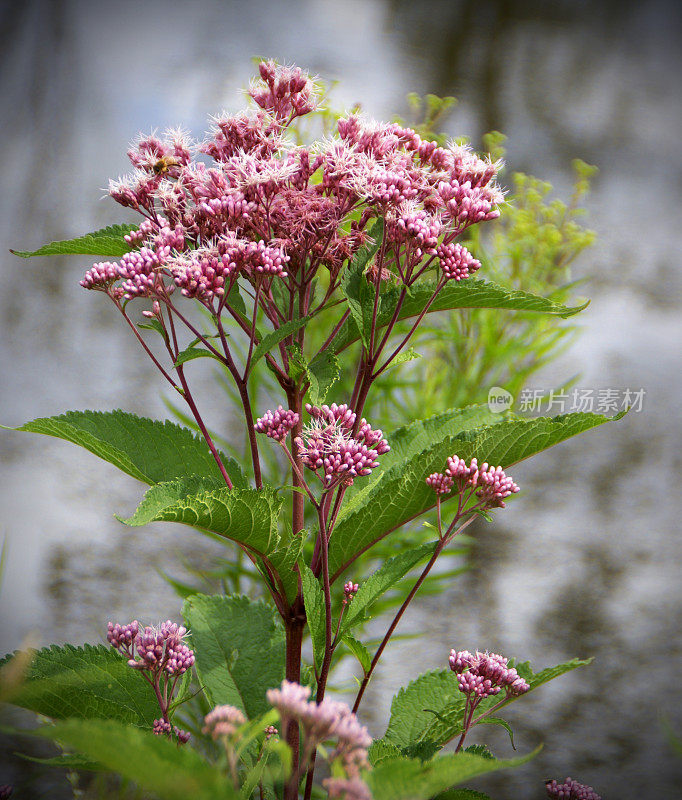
(152, 762)
(359, 293)
(359, 650)
(388, 574)
(466, 294)
(313, 598)
(247, 516)
(323, 372)
(149, 450)
(190, 353)
(298, 365)
(239, 649)
(412, 779)
(396, 492)
(380, 750)
(85, 682)
(284, 560)
(413, 708)
(406, 355)
(105, 242)
(437, 691)
(275, 337)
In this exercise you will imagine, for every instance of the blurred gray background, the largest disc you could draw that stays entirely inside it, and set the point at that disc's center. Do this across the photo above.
(588, 561)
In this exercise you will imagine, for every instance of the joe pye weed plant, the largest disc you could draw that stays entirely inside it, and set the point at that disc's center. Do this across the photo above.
(309, 270)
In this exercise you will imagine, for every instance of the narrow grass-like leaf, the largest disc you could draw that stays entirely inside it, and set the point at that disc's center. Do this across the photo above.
(275, 337)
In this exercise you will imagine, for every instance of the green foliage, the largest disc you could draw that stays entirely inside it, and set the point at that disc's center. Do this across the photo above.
(315, 613)
(147, 449)
(275, 337)
(153, 762)
(247, 516)
(323, 372)
(85, 682)
(396, 491)
(413, 779)
(239, 649)
(356, 289)
(431, 708)
(388, 574)
(359, 650)
(108, 241)
(469, 294)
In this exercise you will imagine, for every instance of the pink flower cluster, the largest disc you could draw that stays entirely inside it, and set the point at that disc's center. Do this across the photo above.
(485, 674)
(159, 649)
(570, 790)
(323, 721)
(277, 424)
(329, 444)
(350, 589)
(266, 208)
(223, 721)
(163, 728)
(490, 484)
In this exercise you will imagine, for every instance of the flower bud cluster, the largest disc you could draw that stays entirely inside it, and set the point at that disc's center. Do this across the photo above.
(285, 92)
(347, 789)
(490, 484)
(350, 589)
(323, 721)
(456, 262)
(327, 444)
(163, 728)
(570, 790)
(485, 674)
(277, 424)
(159, 649)
(223, 721)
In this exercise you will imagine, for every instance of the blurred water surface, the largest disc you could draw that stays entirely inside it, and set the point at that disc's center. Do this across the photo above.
(587, 562)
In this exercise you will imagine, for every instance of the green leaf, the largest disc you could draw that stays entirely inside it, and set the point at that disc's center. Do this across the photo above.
(190, 353)
(323, 372)
(454, 295)
(153, 324)
(239, 649)
(105, 242)
(406, 355)
(152, 762)
(462, 794)
(396, 491)
(358, 292)
(298, 365)
(359, 650)
(315, 611)
(412, 779)
(437, 691)
(86, 682)
(275, 337)
(247, 516)
(503, 723)
(388, 574)
(69, 761)
(285, 560)
(149, 450)
(414, 707)
(380, 750)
